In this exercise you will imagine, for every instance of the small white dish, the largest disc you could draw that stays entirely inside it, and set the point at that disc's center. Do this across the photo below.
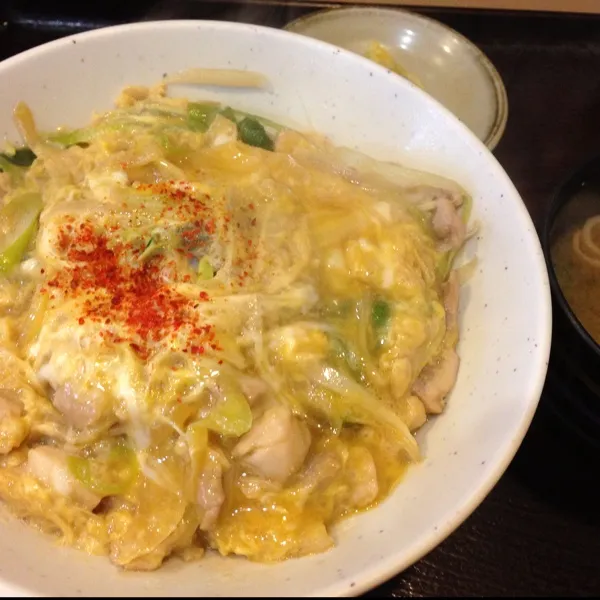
(450, 67)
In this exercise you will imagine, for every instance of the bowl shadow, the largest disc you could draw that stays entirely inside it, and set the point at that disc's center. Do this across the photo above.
(558, 466)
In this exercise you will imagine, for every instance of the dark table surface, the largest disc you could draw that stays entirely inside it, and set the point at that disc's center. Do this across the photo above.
(538, 531)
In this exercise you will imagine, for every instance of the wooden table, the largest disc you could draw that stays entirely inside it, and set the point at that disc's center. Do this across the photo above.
(538, 532)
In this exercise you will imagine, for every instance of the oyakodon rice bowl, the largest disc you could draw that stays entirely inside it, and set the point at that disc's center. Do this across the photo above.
(220, 328)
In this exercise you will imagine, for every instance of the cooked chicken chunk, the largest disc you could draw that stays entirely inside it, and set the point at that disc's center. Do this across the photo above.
(79, 410)
(447, 224)
(436, 380)
(362, 477)
(49, 466)
(276, 445)
(210, 495)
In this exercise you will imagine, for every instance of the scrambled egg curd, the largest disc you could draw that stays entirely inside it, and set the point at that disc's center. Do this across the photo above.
(215, 332)
(382, 55)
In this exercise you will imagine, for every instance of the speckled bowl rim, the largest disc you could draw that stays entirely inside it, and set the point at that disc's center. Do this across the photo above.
(391, 564)
(496, 130)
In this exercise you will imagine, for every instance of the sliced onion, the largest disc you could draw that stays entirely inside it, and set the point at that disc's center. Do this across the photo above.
(220, 77)
(26, 124)
(18, 220)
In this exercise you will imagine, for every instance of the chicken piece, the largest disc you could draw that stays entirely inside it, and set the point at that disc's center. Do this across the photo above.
(361, 474)
(13, 427)
(210, 495)
(49, 466)
(451, 296)
(321, 471)
(447, 224)
(80, 410)
(436, 380)
(276, 445)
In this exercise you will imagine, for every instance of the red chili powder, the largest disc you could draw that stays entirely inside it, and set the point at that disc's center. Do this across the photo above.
(132, 295)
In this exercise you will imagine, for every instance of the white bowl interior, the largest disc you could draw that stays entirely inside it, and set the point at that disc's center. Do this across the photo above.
(506, 321)
(450, 67)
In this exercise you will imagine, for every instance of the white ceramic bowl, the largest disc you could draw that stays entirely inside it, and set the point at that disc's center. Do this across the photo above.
(450, 67)
(505, 320)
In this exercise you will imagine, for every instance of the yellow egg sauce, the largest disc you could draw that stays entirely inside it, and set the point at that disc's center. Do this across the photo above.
(216, 333)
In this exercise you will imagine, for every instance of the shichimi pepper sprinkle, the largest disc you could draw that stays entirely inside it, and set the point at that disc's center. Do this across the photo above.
(114, 290)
